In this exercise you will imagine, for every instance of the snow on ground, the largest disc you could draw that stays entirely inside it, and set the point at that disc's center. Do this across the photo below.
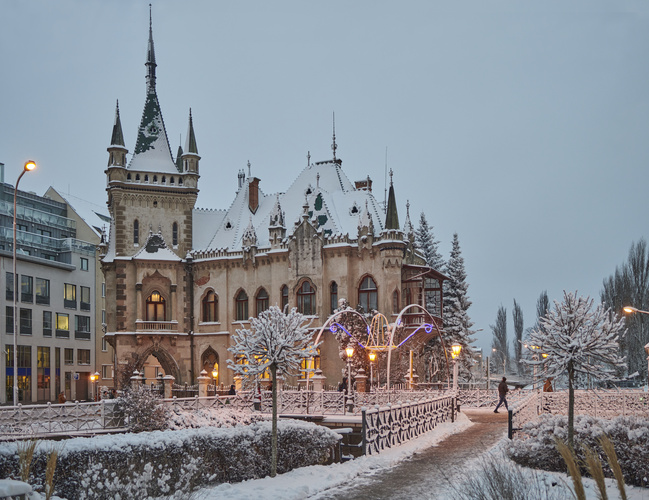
(308, 481)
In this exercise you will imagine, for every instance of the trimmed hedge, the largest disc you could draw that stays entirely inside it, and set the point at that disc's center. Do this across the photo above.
(162, 463)
(629, 436)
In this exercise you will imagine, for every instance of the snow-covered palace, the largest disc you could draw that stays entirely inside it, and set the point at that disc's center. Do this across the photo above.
(180, 280)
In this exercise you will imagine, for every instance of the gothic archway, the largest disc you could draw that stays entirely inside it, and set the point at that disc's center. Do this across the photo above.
(167, 361)
(210, 362)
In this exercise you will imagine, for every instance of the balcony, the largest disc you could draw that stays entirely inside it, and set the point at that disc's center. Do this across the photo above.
(156, 326)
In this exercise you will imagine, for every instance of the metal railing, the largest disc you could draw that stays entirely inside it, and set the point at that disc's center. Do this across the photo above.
(395, 424)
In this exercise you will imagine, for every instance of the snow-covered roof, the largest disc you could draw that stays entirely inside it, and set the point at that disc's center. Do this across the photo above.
(156, 249)
(332, 200)
(95, 216)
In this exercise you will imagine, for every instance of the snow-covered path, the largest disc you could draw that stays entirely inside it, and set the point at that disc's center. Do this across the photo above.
(428, 474)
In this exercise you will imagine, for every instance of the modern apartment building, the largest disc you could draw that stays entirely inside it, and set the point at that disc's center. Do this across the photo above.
(55, 297)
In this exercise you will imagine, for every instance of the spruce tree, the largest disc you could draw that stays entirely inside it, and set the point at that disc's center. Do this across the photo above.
(457, 323)
(425, 241)
(517, 314)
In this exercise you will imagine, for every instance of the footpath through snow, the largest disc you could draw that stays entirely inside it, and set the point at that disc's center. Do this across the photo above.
(423, 468)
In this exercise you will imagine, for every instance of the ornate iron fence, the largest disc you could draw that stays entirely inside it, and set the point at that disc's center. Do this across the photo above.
(395, 424)
(59, 419)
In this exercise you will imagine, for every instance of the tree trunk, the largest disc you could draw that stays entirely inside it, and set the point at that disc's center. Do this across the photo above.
(571, 406)
(273, 437)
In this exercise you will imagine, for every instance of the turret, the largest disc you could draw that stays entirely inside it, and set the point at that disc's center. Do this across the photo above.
(116, 150)
(190, 156)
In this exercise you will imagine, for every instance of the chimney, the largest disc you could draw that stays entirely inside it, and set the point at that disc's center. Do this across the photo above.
(253, 194)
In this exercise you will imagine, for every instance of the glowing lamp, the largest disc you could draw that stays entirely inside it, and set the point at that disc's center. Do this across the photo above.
(215, 373)
(455, 350)
(372, 356)
(349, 351)
(544, 355)
(30, 165)
(629, 309)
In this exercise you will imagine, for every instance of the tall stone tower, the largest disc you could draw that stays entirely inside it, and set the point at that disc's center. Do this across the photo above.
(152, 194)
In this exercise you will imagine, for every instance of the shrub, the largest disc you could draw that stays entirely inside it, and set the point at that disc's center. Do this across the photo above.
(154, 464)
(143, 409)
(628, 434)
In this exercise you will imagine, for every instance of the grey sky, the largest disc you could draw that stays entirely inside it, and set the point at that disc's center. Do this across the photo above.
(520, 125)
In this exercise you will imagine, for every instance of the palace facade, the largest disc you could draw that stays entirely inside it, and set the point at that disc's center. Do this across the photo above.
(180, 279)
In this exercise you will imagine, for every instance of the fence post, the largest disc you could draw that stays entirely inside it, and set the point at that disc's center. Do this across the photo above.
(453, 409)
(364, 429)
(510, 424)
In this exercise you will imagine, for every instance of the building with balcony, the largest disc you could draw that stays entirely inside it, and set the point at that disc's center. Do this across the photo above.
(55, 291)
(181, 280)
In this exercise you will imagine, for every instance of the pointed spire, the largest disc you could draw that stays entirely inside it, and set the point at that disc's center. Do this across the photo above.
(179, 157)
(151, 135)
(117, 139)
(150, 57)
(334, 146)
(190, 144)
(407, 225)
(391, 216)
(277, 215)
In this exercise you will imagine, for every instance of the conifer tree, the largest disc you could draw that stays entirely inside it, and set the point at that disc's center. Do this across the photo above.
(517, 314)
(457, 323)
(499, 345)
(425, 241)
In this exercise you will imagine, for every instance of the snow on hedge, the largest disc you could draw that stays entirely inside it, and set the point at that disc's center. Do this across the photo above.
(162, 463)
(628, 434)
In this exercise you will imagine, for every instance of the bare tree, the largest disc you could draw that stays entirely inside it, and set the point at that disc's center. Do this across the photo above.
(517, 314)
(578, 340)
(629, 286)
(500, 349)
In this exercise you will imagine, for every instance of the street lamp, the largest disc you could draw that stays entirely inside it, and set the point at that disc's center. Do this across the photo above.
(350, 352)
(633, 310)
(372, 358)
(215, 375)
(455, 352)
(29, 166)
(93, 379)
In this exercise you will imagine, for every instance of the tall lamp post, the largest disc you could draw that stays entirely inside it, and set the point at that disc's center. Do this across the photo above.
(372, 359)
(633, 310)
(29, 166)
(455, 352)
(350, 352)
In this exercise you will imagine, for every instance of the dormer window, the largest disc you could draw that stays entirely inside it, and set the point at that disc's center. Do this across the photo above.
(137, 177)
(171, 181)
(146, 178)
(164, 179)
(155, 179)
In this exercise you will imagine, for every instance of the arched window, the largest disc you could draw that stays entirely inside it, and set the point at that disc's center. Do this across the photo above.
(137, 177)
(155, 307)
(174, 234)
(333, 296)
(146, 178)
(164, 179)
(171, 181)
(306, 299)
(155, 179)
(261, 303)
(211, 307)
(284, 298)
(395, 302)
(242, 306)
(180, 181)
(136, 232)
(367, 295)
(128, 176)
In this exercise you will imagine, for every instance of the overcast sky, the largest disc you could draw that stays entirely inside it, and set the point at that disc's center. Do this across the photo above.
(522, 126)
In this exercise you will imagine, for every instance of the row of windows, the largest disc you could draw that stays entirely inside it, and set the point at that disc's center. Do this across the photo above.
(136, 233)
(25, 323)
(43, 356)
(305, 298)
(172, 180)
(40, 289)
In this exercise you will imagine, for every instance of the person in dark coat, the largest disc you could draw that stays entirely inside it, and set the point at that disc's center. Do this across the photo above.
(232, 390)
(502, 392)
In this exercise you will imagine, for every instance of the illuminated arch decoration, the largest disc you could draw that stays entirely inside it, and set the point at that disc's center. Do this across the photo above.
(380, 333)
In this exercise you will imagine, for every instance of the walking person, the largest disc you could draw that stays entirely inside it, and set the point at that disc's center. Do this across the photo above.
(502, 392)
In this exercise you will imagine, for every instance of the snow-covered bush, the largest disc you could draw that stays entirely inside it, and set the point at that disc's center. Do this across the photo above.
(143, 409)
(212, 417)
(166, 463)
(628, 434)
